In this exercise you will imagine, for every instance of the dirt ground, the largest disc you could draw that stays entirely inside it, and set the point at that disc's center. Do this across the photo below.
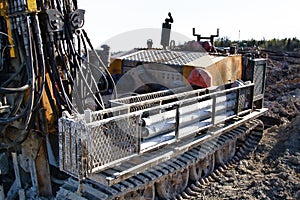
(272, 171)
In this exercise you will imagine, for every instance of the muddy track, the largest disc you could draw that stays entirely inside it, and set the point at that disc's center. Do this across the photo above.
(183, 177)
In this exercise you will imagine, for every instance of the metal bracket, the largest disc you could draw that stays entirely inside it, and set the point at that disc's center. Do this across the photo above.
(56, 20)
(77, 19)
(30, 149)
(211, 37)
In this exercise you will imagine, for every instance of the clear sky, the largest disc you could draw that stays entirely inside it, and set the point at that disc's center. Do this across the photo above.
(256, 19)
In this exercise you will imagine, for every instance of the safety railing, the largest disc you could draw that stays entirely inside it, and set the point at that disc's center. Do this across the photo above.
(95, 140)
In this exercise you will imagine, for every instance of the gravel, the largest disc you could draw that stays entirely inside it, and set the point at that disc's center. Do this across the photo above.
(272, 171)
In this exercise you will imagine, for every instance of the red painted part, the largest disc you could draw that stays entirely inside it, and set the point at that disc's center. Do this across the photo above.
(200, 77)
(207, 46)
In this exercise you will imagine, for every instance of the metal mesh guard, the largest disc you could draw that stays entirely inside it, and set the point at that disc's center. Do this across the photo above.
(89, 147)
(96, 140)
(244, 99)
(69, 133)
(112, 141)
(258, 79)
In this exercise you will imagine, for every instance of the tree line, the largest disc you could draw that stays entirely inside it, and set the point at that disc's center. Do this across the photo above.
(286, 44)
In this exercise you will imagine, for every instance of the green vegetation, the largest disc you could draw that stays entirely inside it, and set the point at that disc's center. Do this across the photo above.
(287, 44)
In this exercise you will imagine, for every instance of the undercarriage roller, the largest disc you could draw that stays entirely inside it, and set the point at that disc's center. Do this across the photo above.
(172, 184)
(202, 167)
(226, 153)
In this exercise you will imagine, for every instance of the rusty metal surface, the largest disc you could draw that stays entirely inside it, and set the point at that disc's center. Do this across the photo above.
(43, 172)
(223, 69)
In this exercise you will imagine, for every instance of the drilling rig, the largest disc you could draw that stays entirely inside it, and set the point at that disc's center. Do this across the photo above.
(151, 125)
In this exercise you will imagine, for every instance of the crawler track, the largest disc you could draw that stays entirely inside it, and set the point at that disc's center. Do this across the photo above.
(182, 177)
(249, 145)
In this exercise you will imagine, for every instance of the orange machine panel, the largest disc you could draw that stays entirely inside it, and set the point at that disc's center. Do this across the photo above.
(223, 69)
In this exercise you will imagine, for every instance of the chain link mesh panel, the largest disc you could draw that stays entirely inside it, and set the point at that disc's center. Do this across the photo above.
(98, 145)
(69, 133)
(258, 80)
(113, 140)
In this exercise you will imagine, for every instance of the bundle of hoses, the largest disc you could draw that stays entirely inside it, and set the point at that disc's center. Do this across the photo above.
(51, 53)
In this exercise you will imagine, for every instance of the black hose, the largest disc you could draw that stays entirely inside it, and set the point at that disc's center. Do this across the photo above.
(75, 4)
(23, 113)
(12, 77)
(40, 60)
(54, 76)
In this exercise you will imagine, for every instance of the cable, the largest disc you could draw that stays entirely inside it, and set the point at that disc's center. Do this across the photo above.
(26, 112)
(56, 79)
(75, 4)
(100, 61)
(4, 90)
(25, 100)
(40, 59)
(8, 81)
(40, 51)
(101, 104)
(78, 66)
(2, 57)
(6, 35)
